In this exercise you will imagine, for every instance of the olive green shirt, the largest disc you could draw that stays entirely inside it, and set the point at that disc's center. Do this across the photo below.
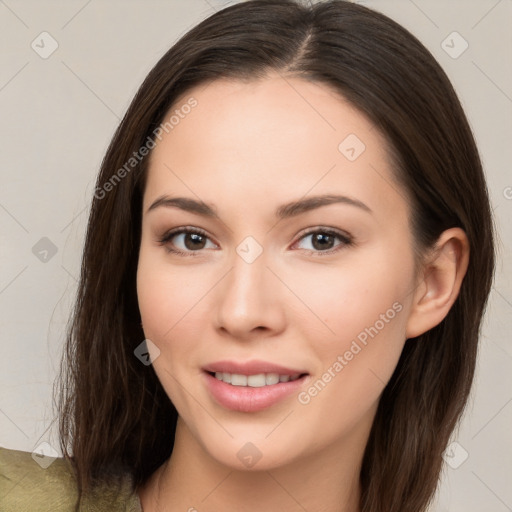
(25, 486)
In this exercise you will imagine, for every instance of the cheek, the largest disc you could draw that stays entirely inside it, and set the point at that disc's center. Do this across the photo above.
(168, 301)
(166, 294)
(154, 299)
(173, 303)
(355, 300)
(356, 324)
(366, 309)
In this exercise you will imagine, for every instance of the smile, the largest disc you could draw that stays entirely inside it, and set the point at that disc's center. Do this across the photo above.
(254, 381)
(252, 393)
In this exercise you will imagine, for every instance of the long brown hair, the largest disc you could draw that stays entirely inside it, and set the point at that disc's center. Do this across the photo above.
(114, 414)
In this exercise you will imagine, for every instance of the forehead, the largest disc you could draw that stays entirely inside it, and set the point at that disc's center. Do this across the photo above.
(268, 138)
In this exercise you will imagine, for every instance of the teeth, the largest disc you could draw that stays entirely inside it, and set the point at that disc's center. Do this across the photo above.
(271, 378)
(254, 381)
(238, 380)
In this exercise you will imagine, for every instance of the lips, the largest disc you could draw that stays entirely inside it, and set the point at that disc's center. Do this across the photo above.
(254, 367)
(253, 385)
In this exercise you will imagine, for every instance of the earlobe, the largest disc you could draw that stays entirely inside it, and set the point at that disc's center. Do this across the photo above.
(440, 282)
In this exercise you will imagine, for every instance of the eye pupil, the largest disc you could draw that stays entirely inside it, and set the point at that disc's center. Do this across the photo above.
(324, 240)
(198, 241)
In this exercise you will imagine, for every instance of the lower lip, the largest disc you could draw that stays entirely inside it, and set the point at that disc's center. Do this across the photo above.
(248, 399)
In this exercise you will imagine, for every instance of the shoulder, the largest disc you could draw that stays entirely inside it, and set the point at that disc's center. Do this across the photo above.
(26, 485)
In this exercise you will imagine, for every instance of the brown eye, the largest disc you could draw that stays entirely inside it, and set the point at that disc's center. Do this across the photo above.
(324, 241)
(186, 241)
(193, 241)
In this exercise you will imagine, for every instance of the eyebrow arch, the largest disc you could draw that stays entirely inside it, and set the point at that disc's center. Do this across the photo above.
(287, 210)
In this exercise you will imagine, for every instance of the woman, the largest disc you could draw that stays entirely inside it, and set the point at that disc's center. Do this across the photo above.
(288, 257)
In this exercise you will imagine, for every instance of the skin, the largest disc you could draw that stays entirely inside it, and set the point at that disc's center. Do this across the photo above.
(246, 149)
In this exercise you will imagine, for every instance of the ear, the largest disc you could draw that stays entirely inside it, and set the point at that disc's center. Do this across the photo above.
(439, 282)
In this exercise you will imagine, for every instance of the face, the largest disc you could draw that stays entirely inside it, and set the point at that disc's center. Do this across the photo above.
(285, 269)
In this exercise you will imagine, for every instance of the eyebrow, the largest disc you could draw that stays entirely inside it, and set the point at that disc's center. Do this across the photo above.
(287, 210)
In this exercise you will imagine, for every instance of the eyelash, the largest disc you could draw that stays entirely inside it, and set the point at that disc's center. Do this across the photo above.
(346, 240)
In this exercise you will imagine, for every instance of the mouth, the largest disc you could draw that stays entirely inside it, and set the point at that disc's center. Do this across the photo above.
(258, 380)
(252, 391)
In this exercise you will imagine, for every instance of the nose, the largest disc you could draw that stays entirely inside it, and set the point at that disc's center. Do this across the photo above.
(250, 300)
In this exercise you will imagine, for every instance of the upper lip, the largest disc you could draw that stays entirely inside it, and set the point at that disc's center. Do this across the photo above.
(253, 367)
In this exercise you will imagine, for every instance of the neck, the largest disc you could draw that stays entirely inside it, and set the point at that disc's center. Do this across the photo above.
(191, 480)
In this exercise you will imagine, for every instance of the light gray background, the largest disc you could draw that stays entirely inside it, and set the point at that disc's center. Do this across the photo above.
(57, 117)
